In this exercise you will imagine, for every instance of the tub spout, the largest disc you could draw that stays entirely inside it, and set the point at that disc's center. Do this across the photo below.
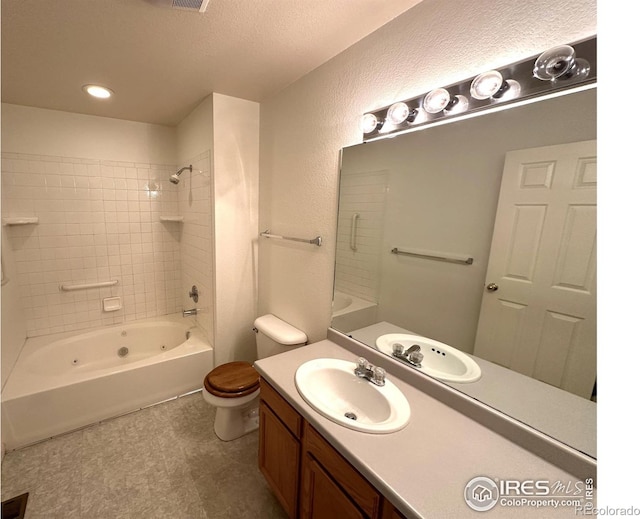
(187, 313)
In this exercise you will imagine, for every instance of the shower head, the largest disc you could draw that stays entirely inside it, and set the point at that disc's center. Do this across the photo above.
(175, 178)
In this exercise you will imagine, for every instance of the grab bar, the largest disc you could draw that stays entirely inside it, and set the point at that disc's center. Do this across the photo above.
(5, 279)
(315, 241)
(451, 259)
(354, 230)
(68, 288)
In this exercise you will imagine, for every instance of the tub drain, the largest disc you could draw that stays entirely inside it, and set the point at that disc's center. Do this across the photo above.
(351, 416)
(123, 352)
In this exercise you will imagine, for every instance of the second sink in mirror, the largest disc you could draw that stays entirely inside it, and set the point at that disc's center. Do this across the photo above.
(438, 360)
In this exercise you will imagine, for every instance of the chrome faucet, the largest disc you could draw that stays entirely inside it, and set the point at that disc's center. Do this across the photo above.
(187, 313)
(364, 369)
(412, 356)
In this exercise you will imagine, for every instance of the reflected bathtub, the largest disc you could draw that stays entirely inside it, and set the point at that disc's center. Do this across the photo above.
(351, 312)
(66, 381)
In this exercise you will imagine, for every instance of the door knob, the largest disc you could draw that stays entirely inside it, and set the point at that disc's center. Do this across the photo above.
(492, 287)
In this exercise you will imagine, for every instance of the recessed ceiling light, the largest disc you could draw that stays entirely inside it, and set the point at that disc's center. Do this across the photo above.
(97, 91)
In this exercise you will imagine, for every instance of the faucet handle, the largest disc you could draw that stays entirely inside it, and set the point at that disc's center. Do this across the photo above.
(362, 363)
(397, 348)
(378, 376)
(416, 357)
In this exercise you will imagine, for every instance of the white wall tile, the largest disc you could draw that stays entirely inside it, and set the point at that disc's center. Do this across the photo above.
(96, 223)
(356, 271)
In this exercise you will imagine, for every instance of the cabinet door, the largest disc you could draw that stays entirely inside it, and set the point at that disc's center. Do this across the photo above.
(353, 484)
(279, 459)
(390, 512)
(321, 498)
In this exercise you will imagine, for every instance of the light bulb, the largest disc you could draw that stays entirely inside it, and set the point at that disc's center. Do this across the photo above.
(369, 123)
(398, 113)
(554, 63)
(486, 84)
(97, 91)
(436, 100)
(581, 68)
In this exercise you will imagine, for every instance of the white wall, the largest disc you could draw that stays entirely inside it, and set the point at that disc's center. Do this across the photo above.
(195, 132)
(50, 132)
(228, 127)
(303, 128)
(235, 137)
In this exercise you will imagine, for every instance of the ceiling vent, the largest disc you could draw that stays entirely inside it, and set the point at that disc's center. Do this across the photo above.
(190, 5)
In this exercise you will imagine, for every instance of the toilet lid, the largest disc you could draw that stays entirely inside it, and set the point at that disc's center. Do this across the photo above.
(233, 379)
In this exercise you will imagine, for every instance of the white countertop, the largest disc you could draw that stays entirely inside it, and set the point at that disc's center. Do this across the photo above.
(424, 468)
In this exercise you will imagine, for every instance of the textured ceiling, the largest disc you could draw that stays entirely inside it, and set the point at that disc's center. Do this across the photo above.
(161, 62)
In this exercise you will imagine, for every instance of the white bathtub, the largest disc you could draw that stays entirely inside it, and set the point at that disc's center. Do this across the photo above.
(65, 381)
(351, 312)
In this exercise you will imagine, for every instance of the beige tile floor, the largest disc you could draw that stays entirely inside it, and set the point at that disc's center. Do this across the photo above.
(161, 462)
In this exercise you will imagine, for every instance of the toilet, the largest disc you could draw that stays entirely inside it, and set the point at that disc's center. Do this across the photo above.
(234, 388)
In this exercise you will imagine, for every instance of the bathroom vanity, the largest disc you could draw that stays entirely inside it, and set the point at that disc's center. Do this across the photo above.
(319, 468)
(306, 472)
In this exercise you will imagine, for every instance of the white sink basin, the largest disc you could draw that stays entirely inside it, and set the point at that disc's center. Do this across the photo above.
(440, 361)
(331, 388)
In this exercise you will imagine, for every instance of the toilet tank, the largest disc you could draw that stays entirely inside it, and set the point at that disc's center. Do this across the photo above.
(276, 336)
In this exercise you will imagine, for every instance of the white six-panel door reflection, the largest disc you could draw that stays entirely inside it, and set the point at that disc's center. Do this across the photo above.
(540, 320)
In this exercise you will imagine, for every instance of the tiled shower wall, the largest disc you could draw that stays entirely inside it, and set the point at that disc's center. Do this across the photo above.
(357, 270)
(98, 221)
(196, 244)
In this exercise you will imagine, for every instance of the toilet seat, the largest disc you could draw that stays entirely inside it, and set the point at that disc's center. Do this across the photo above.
(232, 380)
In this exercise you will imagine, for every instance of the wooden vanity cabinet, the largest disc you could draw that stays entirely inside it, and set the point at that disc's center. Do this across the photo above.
(308, 476)
(279, 452)
(323, 497)
(349, 491)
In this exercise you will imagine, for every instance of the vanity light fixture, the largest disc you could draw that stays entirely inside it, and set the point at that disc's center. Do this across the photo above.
(496, 89)
(98, 91)
(492, 85)
(560, 63)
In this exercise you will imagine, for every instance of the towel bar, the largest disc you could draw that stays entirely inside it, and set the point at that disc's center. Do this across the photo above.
(315, 241)
(468, 261)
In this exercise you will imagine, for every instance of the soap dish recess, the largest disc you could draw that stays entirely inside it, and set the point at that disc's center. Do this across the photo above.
(111, 304)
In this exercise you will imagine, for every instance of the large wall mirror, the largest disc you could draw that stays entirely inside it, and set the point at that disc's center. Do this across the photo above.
(480, 235)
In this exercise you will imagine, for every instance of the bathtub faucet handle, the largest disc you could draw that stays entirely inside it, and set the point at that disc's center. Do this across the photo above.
(187, 313)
